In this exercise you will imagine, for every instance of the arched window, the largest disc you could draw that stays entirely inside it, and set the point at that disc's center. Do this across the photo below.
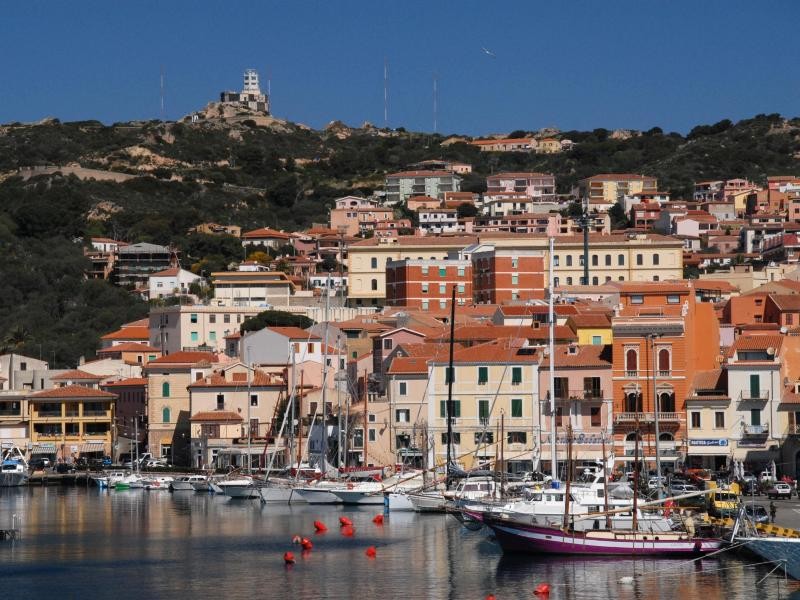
(631, 437)
(165, 414)
(666, 402)
(633, 402)
(632, 361)
(608, 260)
(569, 260)
(621, 260)
(666, 437)
(663, 362)
(374, 284)
(165, 389)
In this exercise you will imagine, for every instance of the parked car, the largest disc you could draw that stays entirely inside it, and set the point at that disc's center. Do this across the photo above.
(40, 463)
(656, 482)
(757, 513)
(676, 489)
(156, 464)
(779, 490)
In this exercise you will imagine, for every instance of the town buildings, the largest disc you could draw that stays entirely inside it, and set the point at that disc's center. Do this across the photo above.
(405, 184)
(610, 188)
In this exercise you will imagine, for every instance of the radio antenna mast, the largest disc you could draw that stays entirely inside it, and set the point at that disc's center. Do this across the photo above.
(163, 110)
(385, 92)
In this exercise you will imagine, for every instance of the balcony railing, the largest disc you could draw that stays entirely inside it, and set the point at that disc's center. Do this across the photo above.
(580, 395)
(631, 373)
(11, 413)
(48, 413)
(756, 430)
(664, 373)
(758, 395)
(647, 417)
(95, 413)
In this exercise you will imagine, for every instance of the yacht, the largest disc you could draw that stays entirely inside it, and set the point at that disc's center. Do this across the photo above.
(184, 483)
(241, 486)
(157, 483)
(14, 468)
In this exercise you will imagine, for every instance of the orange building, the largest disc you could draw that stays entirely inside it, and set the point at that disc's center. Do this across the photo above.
(428, 284)
(505, 274)
(749, 308)
(662, 337)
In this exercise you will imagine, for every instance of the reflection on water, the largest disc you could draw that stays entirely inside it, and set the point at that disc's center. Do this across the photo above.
(136, 544)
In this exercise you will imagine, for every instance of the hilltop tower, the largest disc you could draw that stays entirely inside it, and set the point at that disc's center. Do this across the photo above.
(250, 97)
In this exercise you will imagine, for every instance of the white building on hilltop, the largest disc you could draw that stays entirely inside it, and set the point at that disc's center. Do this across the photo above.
(250, 96)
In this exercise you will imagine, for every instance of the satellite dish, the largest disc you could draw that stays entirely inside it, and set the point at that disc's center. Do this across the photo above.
(771, 351)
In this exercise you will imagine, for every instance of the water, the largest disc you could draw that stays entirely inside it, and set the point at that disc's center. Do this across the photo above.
(86, 543)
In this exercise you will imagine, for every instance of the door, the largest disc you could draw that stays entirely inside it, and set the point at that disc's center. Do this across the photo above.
(755, 416)
(755, 385)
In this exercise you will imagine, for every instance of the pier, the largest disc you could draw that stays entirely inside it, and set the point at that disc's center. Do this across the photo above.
(78, 478)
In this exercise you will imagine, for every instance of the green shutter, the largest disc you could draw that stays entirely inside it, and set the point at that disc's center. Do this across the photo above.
(483, 409)
(443, 409)
(516, 407)
(516, 374)
(483, 374)
(755, 385)
(457, 408)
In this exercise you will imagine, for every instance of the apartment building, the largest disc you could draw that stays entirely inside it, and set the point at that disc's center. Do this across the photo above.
(354, 220)
(438, 220)
(267, 237)
(197, 327)
(252, 288)
(401, 186)
(542, 223)
(540, 187)
(507, 274)
(136, 262)
(524, 144)
(426, 284)
(611, 188)
(406, 389)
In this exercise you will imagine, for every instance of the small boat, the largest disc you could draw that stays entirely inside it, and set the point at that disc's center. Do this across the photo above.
(366, 493)
(320, 492)
(516, 536)
(14, 468)
(751, 538)
(185, 483)
(157, 483)
(428, 501)
(239, 487)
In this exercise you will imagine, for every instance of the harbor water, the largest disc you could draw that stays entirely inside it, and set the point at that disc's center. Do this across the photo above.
(88, 543)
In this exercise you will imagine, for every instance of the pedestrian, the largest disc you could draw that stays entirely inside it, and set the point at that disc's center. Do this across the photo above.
(772, 510)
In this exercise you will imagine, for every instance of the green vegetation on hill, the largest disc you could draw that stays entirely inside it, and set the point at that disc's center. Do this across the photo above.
(285, 178)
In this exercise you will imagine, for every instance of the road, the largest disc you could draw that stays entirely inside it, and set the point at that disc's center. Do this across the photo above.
(788, 510)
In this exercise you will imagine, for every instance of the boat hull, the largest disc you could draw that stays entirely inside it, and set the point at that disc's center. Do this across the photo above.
(519, 537)
(783, 550)
(399, 502)
(13, 479)
(315, 496)
(181, 486)
(243, 490)
(360, 498)
(281, 495)
(428, 502)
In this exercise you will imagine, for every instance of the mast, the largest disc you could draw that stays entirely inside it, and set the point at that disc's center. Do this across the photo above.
(292, 411)
(656, 408)
(636, 477)
(553, 456)
(300, 428)
(605, 482)
(502, 454)
(338, 380)
(249, 427)
(366, 420)
(450, 376)
(325, 378)
(568, 477)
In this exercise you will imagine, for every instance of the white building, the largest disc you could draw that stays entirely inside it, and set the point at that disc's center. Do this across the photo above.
(438, 220)
(171, 282)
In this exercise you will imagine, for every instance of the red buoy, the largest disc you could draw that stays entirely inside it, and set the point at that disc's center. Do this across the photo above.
(543, 589)
(306, 544)
(348, 531)
(345, 522)
(371, 552)
(288, 558)
(491, 597)
(378, 519)
(320, 527)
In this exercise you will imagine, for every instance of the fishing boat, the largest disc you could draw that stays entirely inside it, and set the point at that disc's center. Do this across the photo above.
(751, 538)
(184, 483)
(517, 536)
(157, 483)
(14, 468)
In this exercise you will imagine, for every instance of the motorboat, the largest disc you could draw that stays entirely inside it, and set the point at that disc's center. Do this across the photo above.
(239, 487)
(430, 501)
(14, 468)
(158, 482)
(184, 483)
(281, 491)
(373, 492)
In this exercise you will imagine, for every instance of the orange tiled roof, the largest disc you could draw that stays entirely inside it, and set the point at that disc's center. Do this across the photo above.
(166, 272)
(128, 347)
(294, 333)
(757, 342)
(421, 174)
(590, 320)
(182, 357)
(591, 356)
(130, 381)
(786, 301)
(708, 380)
(129, 332)
(404, 365)
(266, 232)
(213, 416)
(238, 380)
(77, 374)
(503, 350)
(73, 391)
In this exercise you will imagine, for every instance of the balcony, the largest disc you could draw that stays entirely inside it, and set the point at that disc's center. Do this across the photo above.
(631, 373)
(664, 373)
(647, 417)
(793, 430)
(756, 430)
(754, 395)
(581, 395)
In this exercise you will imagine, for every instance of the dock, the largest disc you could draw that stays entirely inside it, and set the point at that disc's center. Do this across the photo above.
(78, 478)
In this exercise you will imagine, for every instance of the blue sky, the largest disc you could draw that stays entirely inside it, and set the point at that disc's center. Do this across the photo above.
(567, 64)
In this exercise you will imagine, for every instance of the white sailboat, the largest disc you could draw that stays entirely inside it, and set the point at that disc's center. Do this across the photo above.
(14, 468)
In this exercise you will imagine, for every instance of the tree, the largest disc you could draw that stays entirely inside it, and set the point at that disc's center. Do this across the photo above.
(619, 220)
(466, 210)
(516, 134)
(275, 318)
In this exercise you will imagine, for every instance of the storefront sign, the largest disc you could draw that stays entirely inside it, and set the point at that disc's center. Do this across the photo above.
(720, 442)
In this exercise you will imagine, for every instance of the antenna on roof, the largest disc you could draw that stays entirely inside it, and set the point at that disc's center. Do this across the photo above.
(385, 92)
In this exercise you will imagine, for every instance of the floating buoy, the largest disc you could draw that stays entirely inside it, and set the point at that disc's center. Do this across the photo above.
(345, 522)
(378, 519)
(306, 544)
(296, 539)
(288, 558)
(371, 552)
(348, 531)
(543, 589)
(320, 527)
(491, 597)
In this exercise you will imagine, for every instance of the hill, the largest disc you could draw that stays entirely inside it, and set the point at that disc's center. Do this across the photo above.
(265, 173)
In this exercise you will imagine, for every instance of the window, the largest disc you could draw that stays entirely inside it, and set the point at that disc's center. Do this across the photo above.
(516, 408)
(483, 412)
(165, 389)
(673, 299)
(443, 409)
(655, 259)
(631, 362)
(608, 260)
(755, 386)
(561, 388)
(633, 402)
(695, 415)
(212, 318)
(193, 318)
(516, 375)
(165, 415)
(212, 336)
(637, 299)
(442, 303)
(424, 288)
(555, 281)
(461, 271)
(424, 269)
(663, 362)
(220, 401)
(594, 416)
(597, 340)
(374, 284)
(656, 278)
(789, 319)
(402, 415)
(555, 261)
(253, 399)
(595, 281)
(569, 260)
(442, 288)
(484, 437)
(755, 416)
(483, 375)
(514, 279)
(591, 388)
(666, 402)
(456, 438)
(226, 318)
(371, 436)
(719, 419)
(461, 288)
(562, 419)
(402, 388)
(387, 344)
(358, 438)
(514, 262)
(194, 337)
(449, 374)
(425, 304)
(639, 259)
(310, 348)
(569, 280)
(373, 262)
(595, 260)
(442, 271)
(621, 260)
(517, 437)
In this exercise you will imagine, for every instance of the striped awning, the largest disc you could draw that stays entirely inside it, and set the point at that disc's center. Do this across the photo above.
(43, 449)
(92, 447)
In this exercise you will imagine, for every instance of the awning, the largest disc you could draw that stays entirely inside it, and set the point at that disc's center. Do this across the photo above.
(93, 447)
(43, 449)
(646, 458)
(165, 440)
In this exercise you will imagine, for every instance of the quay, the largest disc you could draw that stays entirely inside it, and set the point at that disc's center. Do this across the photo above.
(78, 478)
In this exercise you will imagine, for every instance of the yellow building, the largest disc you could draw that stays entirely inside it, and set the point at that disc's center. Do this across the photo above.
(614, 257)
(72, 421)
(591, 329)
(493, 383)
(611, 187)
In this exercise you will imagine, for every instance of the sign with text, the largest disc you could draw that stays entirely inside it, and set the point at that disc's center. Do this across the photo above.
(719, 442)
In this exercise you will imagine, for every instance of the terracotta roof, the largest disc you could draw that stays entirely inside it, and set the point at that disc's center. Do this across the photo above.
(266, 232)
(590, 320)
(714, 284)
(536, 309)
(757, 342)
(130, 381)
(213, 416)
(459, 241)
(73, 391)
(181, 358)
(130, 332)
(790, 396)
(233, 336)
(426, 350)
(138, 323)
(786, 301)
(166, 273)
(651, 287)
(503, 350)
(590, 356)
(238, 380)
(77, 374)
(128, 347)
(295, 333)
(617, 177)
(709, 380)
(517, 175)
(408, 365)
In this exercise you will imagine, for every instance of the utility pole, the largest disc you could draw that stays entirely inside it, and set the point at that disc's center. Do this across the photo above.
(586, 240)
(450, 377)
(325, 378)
(551, 316)
(657, 408)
